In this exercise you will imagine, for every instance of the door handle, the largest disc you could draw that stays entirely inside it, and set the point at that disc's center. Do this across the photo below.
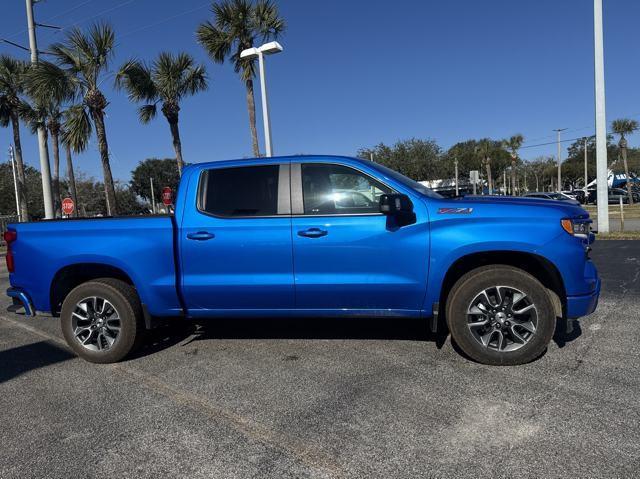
(313, 233)
(201, 236)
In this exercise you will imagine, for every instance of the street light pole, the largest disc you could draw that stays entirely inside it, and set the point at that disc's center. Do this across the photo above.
(265, 106)
(602, 172)
(558, 130)
(15, 183)
(266, 49)
(45, 171)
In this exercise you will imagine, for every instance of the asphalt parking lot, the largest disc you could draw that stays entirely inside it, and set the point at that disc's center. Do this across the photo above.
(327, 398)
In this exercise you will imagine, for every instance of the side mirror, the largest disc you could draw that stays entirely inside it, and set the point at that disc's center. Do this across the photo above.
(399, 207)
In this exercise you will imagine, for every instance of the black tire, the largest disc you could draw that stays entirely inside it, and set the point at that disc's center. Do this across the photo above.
(124, 299)
(473, 284)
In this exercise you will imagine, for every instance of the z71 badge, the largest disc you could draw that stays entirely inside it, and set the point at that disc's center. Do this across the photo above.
(455, 211)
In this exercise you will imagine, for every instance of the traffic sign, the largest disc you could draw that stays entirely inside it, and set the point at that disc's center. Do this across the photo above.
(167, 196)
(67, 206)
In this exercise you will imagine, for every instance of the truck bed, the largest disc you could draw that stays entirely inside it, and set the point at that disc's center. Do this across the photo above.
(142, 248)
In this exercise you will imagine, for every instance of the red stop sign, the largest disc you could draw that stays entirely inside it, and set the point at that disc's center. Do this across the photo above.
(67, 206)
(167, 195)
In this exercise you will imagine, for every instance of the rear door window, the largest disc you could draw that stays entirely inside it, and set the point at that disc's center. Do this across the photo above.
(247, 191)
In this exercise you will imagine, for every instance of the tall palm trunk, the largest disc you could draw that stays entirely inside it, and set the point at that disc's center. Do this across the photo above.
(487, 163)
(177, 145)
(22, 185)
(56, 172)
(103, 147)
(626, 170)
(251, 106)
(72, 181)
(513, 177)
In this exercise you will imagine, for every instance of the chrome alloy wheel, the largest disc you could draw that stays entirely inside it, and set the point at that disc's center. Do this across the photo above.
(502, 318)
(95, 323)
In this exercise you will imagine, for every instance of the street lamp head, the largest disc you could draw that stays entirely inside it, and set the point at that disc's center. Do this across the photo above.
(249, 53)
(270, 48)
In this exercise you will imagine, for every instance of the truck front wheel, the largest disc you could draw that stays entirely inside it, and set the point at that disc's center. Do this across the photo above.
(500, 315)
(101, 320)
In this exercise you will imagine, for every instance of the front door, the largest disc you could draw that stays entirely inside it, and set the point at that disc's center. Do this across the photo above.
(236, 243)
(346, 257)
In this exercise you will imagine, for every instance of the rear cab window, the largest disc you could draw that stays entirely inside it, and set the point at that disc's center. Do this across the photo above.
(245, 191)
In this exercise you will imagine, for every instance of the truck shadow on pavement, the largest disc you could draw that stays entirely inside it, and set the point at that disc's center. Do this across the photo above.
(186, 332)
(22, 359)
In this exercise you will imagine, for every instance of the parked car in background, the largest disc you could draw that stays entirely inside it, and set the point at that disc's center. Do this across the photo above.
(553, 196)
(615, 194)
(297, 237)
(578, 195)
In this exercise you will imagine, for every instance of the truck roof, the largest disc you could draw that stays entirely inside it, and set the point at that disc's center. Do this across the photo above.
(275, 159)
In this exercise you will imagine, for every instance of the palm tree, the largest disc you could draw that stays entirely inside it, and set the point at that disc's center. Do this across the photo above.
(11, 87)
(625, 127)
(76, 132)
(237, 24)
(513, 144)
(86, 58)
(484, 149)
(168, 80)
(48, 87)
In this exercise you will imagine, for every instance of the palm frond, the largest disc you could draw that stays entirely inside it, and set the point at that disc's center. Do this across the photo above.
(215, 41)
(48, 83)
(5, 111)
(103, 38)
(624, 126)
(266, 20)
(33, 116)
(135, 77)
(194, 81)
(76, 128)
(146, 113)
(12, 72)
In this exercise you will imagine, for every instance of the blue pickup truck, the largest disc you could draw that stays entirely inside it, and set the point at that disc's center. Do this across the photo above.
(312, 236)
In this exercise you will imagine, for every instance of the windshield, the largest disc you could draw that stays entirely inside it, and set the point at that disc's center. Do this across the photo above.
(408, 182)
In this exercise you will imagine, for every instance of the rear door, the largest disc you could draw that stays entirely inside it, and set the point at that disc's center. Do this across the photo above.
(236, 241)
(346, 256)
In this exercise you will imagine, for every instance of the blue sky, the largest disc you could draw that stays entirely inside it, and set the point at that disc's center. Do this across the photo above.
(359, 72)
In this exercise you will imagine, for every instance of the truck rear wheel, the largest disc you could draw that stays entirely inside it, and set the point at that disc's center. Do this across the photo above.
(102, 320)
(500, 315)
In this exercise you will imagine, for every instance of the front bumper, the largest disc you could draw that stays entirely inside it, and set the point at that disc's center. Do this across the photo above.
(20, 300)
(583, 305)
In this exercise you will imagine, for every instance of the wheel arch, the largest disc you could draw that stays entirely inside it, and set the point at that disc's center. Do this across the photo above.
(70, 276)
(538, 266)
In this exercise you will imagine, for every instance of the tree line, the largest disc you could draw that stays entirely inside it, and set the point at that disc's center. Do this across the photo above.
(64, 96)
(425, 160)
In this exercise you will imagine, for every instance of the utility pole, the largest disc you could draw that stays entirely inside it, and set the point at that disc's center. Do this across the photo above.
(504, 181)
(153, 198)
(602, 172)
(558, 130)
(45, 172)
(455, 163)
(15, 183)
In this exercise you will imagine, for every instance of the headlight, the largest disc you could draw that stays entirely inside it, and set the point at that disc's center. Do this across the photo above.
(579, 228)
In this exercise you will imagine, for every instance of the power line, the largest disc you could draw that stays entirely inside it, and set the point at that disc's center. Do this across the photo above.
(52, 18)
(164, 20)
